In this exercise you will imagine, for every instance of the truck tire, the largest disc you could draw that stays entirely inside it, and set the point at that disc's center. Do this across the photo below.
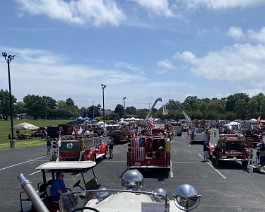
(217, 162)
(245, 164)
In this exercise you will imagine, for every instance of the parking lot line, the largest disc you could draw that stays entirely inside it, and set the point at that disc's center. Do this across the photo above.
(214, 168)
(17, 164)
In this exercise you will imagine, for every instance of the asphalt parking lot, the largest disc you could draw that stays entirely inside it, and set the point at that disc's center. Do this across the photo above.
(226, 188)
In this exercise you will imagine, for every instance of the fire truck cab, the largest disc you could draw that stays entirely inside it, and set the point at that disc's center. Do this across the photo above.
(149, 151)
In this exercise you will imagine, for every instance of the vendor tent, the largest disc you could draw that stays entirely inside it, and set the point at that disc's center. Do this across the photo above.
(25, 126)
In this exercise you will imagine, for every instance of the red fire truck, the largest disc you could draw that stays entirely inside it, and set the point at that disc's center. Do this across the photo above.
(230, 147)
(149, 151)
(90, 148)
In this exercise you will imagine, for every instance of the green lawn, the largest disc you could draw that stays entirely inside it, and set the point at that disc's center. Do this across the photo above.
(32, 141)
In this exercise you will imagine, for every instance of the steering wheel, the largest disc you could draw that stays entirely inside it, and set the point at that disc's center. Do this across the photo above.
(77, 183)
(89, 208)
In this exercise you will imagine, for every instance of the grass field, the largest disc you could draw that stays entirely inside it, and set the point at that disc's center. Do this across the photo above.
(32, 141)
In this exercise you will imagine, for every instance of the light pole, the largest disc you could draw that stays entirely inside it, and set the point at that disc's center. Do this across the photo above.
(124, 106)
(93, 109)
(103, 87)
(8, 59)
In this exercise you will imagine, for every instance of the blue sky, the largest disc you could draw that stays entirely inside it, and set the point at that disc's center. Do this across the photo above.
(140, 49)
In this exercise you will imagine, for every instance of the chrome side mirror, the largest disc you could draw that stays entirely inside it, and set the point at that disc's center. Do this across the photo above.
(186, 197)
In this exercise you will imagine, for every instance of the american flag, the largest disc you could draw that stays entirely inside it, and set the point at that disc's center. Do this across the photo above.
(80, 131)
(139, 145)
(165, 110)
(150, 124)
(59, 142)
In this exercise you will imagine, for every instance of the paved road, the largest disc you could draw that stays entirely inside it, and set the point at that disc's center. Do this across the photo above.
(229, 188)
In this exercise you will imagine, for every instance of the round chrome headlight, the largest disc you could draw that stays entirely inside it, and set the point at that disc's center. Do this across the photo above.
(160, 191)
(132, 179)
(102, 194)
(186, 196)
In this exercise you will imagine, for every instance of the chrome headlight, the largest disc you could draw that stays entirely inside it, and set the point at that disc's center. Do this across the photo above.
(186, 196)
(132, 179)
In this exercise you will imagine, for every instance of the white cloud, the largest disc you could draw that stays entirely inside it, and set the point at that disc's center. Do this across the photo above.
(235, 32)
(185, 56)
(224, 4)
(160, 7)
(257, 36)
(165, 64)
(240, 62)
(39, 72)
(95, 12)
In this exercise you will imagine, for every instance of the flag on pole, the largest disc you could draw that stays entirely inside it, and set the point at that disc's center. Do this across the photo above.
(165, 109)
(80, 131)
(139, 145)
(150, 124)
(59, 142)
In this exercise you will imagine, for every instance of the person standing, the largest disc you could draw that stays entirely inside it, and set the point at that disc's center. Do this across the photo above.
(258, 156)
(214, 131)
(49, 145)
(110, 147)
(190, 133)
(206, 149)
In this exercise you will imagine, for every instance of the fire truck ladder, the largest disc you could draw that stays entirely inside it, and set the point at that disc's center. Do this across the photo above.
(182, 111)
(151, 109)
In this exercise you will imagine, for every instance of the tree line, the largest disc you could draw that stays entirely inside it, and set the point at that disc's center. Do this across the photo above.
(236, 106)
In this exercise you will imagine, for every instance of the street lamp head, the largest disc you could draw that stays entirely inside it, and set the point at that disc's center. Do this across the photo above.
(8, 58)
(4, 54)
(103, 86)
(124, 98)
(11, 57)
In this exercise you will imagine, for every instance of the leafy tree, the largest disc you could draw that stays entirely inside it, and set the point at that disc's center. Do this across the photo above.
(5, 103)
(232, 99)
(36, 106)
(50, 106)
(131, 110)
(113, 116)
(241, 109)
(20, 108)
(119, 110)
(252, 108)
(191, 103)
(83, 111)
(93, 111)
(66, 110)
(69, 102)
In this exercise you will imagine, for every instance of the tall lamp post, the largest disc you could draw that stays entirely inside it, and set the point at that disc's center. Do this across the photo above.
(103, 87)
(8, 59)
(93, 109)
(124, 106)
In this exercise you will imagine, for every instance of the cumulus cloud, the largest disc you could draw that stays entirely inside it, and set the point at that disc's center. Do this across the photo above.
(223, 4)
(257, 36)
(160, 7)
(94, 12)
(239, 62)
(235, 32)
(165, 64)
(185, 56)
